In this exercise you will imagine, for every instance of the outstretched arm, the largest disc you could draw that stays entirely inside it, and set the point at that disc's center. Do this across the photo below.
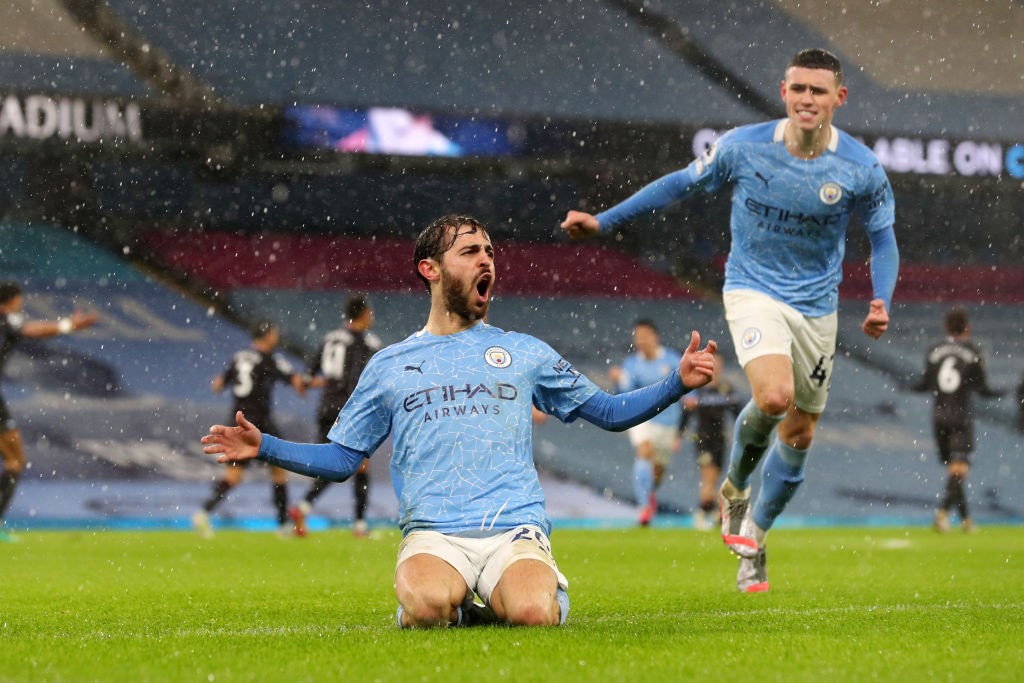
(51, 328)
(652, 197)
(330, 461)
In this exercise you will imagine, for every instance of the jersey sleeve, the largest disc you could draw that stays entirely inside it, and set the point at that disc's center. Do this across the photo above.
(876, 204)
(365, 419)
(877, 207)
(560, 388)
(708, 172)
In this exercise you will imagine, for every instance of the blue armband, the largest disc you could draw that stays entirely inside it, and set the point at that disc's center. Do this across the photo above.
(622, 411)
(330, 461)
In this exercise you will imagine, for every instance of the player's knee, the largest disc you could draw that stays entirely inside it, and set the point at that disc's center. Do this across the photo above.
(533, 611)
(775, 401)
(422, 612)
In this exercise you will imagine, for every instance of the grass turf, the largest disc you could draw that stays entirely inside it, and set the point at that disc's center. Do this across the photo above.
(846, 604)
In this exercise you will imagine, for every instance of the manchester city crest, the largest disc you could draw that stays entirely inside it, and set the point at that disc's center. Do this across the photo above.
(830, 193)
(498, 357)
(751, 336)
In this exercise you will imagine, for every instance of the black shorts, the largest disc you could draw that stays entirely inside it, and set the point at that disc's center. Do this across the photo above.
(710, 450)
(955, 443)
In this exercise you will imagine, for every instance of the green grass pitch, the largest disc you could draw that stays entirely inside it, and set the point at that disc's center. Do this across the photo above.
(847, 604)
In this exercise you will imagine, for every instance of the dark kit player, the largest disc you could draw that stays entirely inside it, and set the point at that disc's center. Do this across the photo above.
(953, 371)
(336, 368)
(251, 375)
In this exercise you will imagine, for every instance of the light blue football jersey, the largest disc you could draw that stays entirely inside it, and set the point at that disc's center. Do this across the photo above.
(458, 408)
(789, 216)
(639, 372)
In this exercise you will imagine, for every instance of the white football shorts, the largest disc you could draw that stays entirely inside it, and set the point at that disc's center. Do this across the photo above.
(662, 437)
(483, 561)
(761, 326)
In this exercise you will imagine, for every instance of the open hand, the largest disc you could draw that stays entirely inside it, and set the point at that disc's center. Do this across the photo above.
(233, 443)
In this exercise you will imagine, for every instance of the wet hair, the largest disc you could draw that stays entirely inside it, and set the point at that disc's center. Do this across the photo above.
(355, 306)
(956, 321)
(8, 290)
(439, 237)
(816, 58)
(262, 328)
(646, 322)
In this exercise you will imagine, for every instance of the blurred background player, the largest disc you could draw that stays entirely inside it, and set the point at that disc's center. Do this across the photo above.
(336, 368)
(656, 440)
(710, 406)
(14, 326)
(252, 373)
(953, 371)
(796, 183)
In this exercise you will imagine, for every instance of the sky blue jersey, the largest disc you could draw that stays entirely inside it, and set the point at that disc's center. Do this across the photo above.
(458, 408)
(789, 215)
(639, 372)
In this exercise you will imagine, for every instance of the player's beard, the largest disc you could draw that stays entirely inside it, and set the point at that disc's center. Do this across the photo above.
(457, 299)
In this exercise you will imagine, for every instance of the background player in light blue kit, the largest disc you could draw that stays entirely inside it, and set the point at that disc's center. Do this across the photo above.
(457, 398)
(657, 439)
(796, 183)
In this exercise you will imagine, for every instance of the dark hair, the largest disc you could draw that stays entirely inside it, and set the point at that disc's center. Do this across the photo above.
(262, 328)
(646, 322)
(438, 237)
(816, 58)
(8, 290)
(956, 321)
(355, 306)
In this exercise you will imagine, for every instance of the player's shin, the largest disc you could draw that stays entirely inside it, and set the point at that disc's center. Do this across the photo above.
(751, 435)
(781, 476)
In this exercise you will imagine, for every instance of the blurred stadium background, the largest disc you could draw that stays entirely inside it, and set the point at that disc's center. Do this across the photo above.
(142, 143)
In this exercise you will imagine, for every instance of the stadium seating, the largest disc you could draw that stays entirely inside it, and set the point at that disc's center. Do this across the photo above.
(755, 40)
(123, 400)
(610, 67)
(486, 57)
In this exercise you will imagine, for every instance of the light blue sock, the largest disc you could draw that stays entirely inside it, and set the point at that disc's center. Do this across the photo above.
(781, 476)
(643, 480)
(563, 605)
(752, 433)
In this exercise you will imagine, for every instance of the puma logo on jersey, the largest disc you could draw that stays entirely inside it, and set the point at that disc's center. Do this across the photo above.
(415, 368)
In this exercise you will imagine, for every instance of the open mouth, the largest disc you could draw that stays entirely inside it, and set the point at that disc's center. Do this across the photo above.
(483, 285)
